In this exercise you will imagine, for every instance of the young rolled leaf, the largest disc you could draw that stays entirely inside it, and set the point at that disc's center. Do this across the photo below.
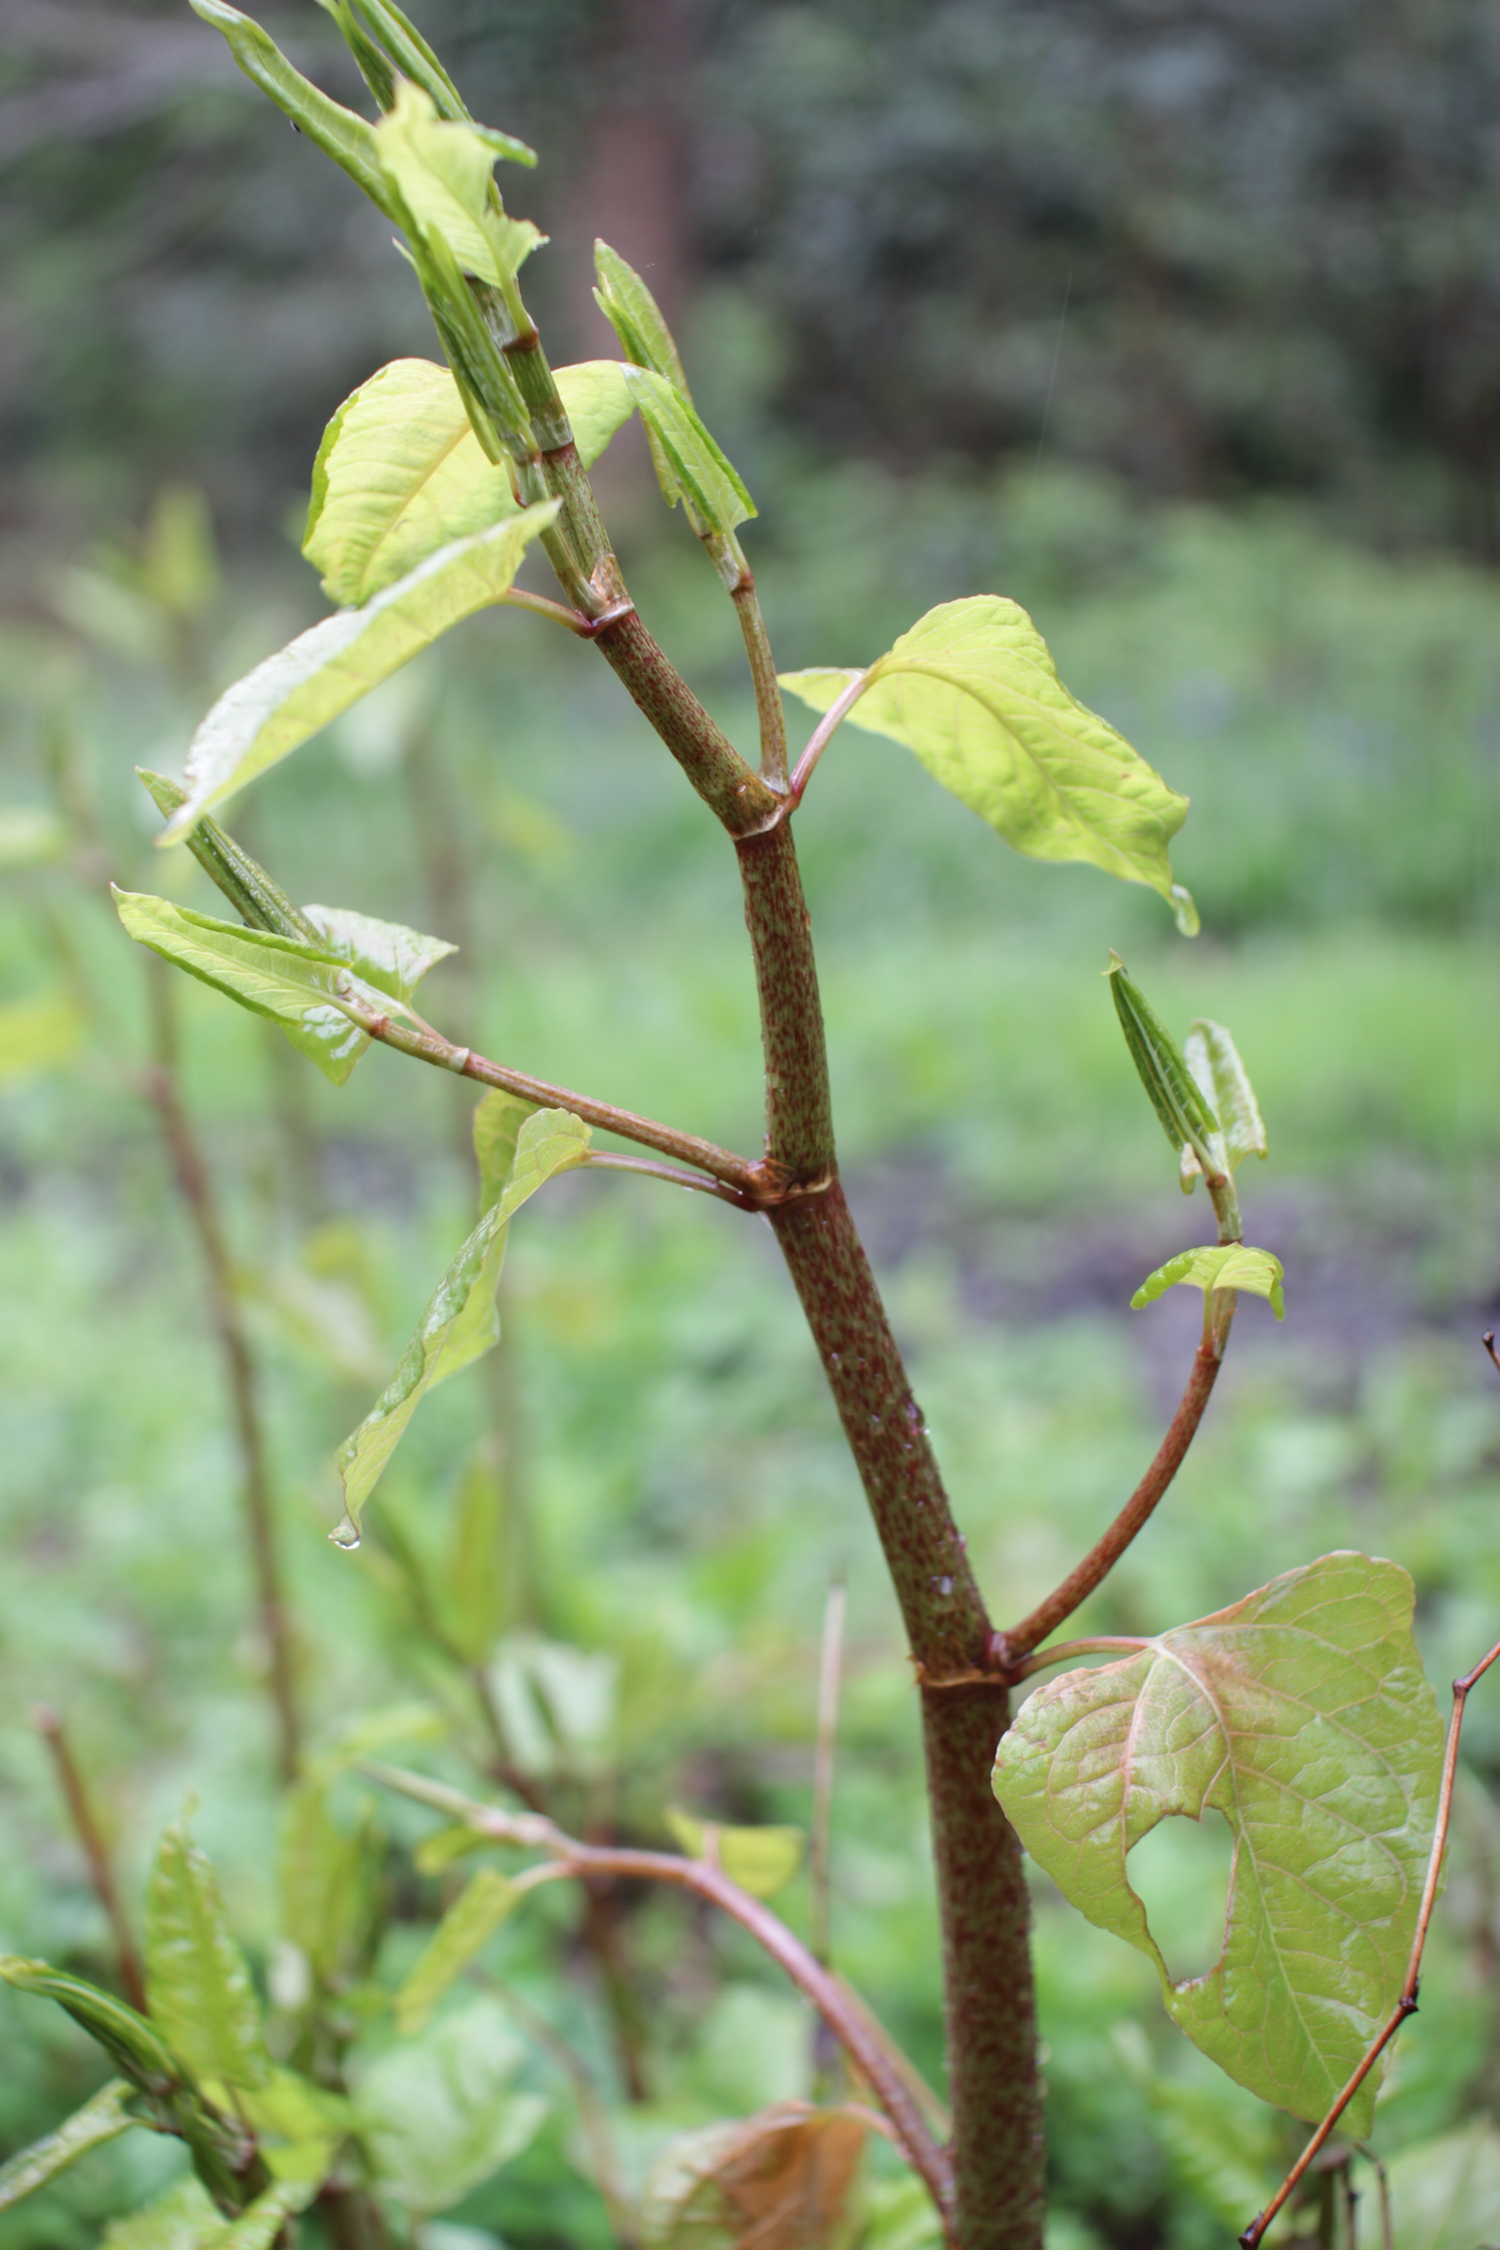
(689, 465)
(308, 991)
(339, 132)
(459, 1324)
(1301, 1714)
(327, 1882)
(973, 690)
(461, 1936)
(373, 64)
(196, 1975)
(260, 903)
(1214, 1061)
(1177, 1097)
(103, 2119)
(761, 1860)
(288, 698)
(401, 473)
(1227, 1266)
(440, 170)
(134, 2046)
(636, 318)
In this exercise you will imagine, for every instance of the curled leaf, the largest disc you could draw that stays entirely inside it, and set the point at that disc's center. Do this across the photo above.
(1229, 1265)
(440, 170)
(690, 466)
(780, 2180)
(461, 1936)
(1214, 1060)
(339, 132)
(973, 690)
(1300, 1714)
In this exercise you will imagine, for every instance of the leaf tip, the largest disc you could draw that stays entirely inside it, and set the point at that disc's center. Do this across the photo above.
(1184, 911)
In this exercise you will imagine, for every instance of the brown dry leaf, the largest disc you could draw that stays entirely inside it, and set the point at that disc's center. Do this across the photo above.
(777, 2181)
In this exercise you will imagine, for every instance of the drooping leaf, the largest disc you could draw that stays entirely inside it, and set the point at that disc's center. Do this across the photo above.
(100, 2120)
(1227, 1266)
(440, 2113)
(780, 2180)
(339, 132)
(196, 1975)
(288, 698)
(690, 465)
(761, 1860)
(461, 1936)
(973, 690)
(496, 1130)
(1301, 1714)
(1445, 2194)
(400, 472)
(441, 172)
(305, 989)
(459, 1324)
(1213, 1059)
(135, 2046)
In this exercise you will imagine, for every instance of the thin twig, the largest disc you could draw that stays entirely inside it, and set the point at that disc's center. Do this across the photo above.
(196, 1189)
(1382, 2181)
(594, 2117)
(1406, 2005)
(768, 706)
(1063, 1652)
(822, 734)
(557, 612)
(1488, 1341)
(830, 1664)
(1136, 1513)
(567, 1859)
(601, 1159)
(95, 1851)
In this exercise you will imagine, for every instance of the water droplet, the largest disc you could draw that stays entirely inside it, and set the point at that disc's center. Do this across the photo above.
(346, 1534)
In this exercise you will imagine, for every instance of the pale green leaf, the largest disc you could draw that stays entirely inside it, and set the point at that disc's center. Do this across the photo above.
(261, 2222)
(327, 1881)
(441, 170)
(299, 2127)
(1445, 2194)
(400, 472)
(1231, 1265)
(30, 836)
(761, 1860)
(1301, 1714)
(972, 689)
(440, 2113)
(461, 1936)
(100, 2120)
(196, 1975)
(476, 1579)
(181, 2219)
(275, 708)
(444, 1846)
(697, 471)
(1186, 1116)
(339, 132)
(307, 991)
(459, 1324)
(386, 954)
(38, 1035)
(558, 1704)
(1214, 1061)
(496, 1129)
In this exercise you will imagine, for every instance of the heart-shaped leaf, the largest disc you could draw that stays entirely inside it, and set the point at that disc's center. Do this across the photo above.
(400, 472)
(973, 690)
(1301, 1714)
(1226, 1266)
(277, 707)
(1303, 1717)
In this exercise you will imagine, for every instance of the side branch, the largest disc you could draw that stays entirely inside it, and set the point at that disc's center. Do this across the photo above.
(1010, 1648)
(1406, 2005)
(867, 2047)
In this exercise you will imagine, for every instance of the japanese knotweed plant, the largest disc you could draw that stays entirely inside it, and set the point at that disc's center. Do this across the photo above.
(1300, 1712)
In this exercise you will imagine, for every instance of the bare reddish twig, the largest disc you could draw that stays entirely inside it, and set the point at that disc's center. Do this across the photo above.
(867, 2046)
(95, 1851)
(1406, 2005)
(1012, 1647)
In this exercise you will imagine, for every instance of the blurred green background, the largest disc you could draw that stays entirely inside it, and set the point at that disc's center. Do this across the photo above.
(1181, 325)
